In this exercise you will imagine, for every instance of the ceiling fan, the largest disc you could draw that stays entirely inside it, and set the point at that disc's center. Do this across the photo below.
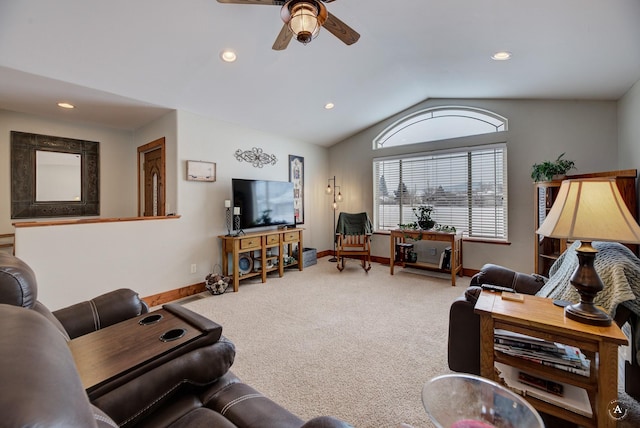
(303, 19)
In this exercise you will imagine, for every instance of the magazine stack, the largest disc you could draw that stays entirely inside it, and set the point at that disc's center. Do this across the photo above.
(558, 355)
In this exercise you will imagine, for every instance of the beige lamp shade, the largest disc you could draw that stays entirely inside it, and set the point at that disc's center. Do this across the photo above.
(590, 210)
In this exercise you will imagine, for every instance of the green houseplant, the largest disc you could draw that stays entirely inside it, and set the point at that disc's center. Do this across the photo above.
(546, 170)
(423, 213)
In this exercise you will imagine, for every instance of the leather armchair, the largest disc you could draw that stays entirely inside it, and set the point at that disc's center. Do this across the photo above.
(464, 324)
(189, 388)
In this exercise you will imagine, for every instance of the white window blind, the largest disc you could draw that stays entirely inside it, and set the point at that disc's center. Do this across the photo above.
(467, 189)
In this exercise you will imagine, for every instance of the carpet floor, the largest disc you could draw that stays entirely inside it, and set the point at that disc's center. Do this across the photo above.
(355, 345)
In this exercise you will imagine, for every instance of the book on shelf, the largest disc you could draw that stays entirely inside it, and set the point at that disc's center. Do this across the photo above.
(573, 398)
(543, 384)
(445, 259)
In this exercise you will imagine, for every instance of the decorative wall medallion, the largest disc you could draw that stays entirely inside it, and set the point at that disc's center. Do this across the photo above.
(256, 157)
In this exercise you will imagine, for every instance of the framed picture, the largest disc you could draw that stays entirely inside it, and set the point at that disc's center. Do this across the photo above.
(296, 176)
(201, 171)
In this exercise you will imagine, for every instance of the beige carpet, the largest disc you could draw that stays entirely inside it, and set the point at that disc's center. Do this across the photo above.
(353, 345)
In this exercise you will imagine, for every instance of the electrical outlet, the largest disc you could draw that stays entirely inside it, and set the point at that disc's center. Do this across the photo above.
(194, 268)
(432, 251)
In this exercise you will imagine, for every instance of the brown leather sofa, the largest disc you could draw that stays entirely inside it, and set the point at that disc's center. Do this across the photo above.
(42, 386)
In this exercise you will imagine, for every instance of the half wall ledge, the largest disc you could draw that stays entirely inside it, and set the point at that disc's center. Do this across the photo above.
(89, 221)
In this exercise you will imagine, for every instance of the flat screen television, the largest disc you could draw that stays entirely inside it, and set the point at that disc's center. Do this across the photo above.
(263, 203)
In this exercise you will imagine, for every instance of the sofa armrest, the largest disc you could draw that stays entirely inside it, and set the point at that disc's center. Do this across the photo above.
(144, 393)
(464, 337)
(505, 277)
(100, 312)
(246, 407)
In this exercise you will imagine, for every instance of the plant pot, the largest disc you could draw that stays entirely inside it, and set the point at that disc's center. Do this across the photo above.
(426, 224)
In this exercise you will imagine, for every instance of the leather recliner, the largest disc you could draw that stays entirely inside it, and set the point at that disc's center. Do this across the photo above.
(43, 387)
(464, 324)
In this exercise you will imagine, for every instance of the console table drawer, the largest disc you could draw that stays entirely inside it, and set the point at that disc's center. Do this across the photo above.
(272, 239)
(291, 236)
(248, 243)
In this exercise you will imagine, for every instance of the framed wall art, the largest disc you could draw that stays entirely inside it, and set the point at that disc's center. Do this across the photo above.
(201, 171)
(296, 176)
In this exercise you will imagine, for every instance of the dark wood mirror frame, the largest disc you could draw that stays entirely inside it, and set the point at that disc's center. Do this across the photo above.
(23, 176)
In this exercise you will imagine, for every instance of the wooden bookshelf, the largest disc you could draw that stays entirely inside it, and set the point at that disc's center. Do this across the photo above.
(547, 250)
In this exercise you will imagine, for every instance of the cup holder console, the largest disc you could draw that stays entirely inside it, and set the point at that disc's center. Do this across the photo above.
(151, 319)
(174, 334)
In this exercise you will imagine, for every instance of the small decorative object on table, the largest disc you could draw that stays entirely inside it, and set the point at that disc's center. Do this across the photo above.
(423, 213)
(217, 283)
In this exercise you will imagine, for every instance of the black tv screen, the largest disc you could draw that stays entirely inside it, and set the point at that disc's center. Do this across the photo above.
(263, 203)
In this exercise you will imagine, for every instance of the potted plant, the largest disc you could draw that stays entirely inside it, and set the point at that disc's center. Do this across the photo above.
(546, 170)
(423, 213)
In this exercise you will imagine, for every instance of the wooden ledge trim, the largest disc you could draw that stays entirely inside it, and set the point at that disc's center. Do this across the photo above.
(90, 221)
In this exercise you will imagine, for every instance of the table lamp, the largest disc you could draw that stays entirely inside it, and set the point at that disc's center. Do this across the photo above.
(589, 210)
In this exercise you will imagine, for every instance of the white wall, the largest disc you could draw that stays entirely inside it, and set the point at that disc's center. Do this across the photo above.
(77, 262)
(538, 130)
(202, 203)
(629, 129)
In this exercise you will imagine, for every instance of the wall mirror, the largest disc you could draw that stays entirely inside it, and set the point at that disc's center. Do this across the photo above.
(54, 176)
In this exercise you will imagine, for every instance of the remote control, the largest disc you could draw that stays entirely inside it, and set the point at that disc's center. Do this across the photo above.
(497, 288)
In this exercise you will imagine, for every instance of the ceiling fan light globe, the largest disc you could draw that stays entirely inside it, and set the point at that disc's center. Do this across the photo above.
(304, 19)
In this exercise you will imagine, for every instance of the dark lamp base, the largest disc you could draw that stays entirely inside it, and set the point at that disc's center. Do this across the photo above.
(588, 284)
(587, 314)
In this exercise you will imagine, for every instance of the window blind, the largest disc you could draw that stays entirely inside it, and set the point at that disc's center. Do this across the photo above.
(466, 188)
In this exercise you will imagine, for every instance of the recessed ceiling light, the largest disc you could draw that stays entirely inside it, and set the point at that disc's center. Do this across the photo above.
(66, 105)
(228, 55)
(329, 106)
(501, 56)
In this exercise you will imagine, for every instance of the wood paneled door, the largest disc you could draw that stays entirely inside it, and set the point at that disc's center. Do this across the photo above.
(151, 176)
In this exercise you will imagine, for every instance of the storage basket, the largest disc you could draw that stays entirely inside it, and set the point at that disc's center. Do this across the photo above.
(217, 283)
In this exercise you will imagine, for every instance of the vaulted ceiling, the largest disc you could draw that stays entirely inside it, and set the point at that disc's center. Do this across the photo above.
(124, 63)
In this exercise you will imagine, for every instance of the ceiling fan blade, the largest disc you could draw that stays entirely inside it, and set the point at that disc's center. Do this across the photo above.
(341, 30)
(268, 2)
(283, 39)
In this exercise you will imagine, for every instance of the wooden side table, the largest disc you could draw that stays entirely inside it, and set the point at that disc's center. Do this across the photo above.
(539, 317)
(398, 236)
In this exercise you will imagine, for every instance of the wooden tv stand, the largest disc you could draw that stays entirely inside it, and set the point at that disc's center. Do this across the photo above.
(270, 251)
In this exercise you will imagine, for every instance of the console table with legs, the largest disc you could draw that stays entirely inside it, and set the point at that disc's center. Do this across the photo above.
(399, 236)
(257, 253)
(539, 317)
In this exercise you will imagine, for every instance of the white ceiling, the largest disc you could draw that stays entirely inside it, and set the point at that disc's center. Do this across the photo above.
(125, 62)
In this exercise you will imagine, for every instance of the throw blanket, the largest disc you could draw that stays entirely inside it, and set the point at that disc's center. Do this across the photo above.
(354, 224)
(619, 270)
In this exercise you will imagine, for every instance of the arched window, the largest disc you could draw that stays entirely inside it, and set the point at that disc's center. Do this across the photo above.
(440, 123)
(465, 186)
